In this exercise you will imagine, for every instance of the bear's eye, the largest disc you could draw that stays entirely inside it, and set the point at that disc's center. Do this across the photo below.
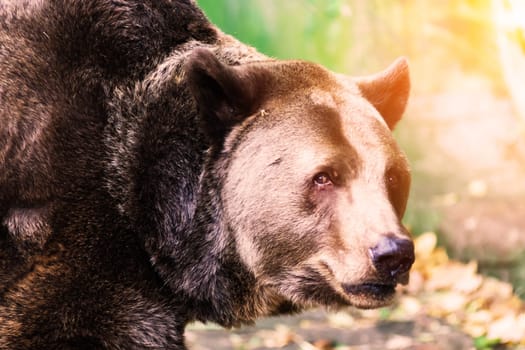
(322, 179)
(398, 183)
(393, 180)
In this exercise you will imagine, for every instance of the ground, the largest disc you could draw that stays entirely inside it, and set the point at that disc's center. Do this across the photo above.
(343, 330)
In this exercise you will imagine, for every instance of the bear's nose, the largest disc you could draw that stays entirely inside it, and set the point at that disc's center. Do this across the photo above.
(393, 256)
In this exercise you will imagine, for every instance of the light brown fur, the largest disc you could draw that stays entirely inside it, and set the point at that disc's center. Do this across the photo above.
(302, 129)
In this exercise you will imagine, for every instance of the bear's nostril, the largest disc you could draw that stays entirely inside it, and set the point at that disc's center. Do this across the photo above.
(393, 256)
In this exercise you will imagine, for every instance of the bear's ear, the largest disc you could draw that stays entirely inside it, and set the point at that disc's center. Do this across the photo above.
(225, 95)
(388, 91)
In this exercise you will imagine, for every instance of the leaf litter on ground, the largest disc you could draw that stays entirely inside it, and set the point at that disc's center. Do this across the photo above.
(481, 306)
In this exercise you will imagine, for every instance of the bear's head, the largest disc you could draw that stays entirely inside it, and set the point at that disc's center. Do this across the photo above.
(312, 184)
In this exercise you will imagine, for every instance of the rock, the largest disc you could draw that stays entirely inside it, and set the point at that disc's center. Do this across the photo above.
(489, 230)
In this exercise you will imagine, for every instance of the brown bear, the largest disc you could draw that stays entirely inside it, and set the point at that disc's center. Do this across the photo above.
(155, 171)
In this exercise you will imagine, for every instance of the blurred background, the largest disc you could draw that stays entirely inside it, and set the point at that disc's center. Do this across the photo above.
(464, 129)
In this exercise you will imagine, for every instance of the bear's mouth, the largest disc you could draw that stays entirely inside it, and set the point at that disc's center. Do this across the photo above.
(377, 290)
(371, 293)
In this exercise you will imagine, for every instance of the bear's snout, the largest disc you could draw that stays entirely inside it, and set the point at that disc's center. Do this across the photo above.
(392, 257)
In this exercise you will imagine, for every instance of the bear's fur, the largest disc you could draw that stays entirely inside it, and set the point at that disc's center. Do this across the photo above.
(155, 171)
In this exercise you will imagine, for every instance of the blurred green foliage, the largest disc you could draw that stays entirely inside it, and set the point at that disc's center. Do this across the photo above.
(362, 36)
(328, 32)
(298, 29)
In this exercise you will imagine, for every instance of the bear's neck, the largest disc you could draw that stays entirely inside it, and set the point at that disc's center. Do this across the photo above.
(173, 198)
(204, 271)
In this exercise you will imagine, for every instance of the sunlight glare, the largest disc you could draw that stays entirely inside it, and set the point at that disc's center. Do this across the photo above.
(509, 18)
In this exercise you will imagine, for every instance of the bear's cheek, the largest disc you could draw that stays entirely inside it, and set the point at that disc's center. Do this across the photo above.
(281, 239)
(272, 230)
(287, 249)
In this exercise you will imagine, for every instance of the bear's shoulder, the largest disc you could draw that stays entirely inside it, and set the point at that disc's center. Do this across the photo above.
(118, 38)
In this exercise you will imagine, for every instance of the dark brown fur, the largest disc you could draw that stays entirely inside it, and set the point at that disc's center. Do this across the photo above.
(155, 171)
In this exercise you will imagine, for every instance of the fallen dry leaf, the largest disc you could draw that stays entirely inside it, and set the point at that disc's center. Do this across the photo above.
(451, 290)
(425, 245)
(280, 337)
(323, 344)
(456, 276)
(509, 329)
(399, 342)
(341, 320)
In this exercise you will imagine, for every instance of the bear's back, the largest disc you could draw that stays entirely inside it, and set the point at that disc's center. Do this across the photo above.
(59, 61)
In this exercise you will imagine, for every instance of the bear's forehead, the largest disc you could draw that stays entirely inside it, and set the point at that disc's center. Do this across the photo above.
(322, 123)
(324, 98)
(343, 109)
(341, 120)
(320, 114)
